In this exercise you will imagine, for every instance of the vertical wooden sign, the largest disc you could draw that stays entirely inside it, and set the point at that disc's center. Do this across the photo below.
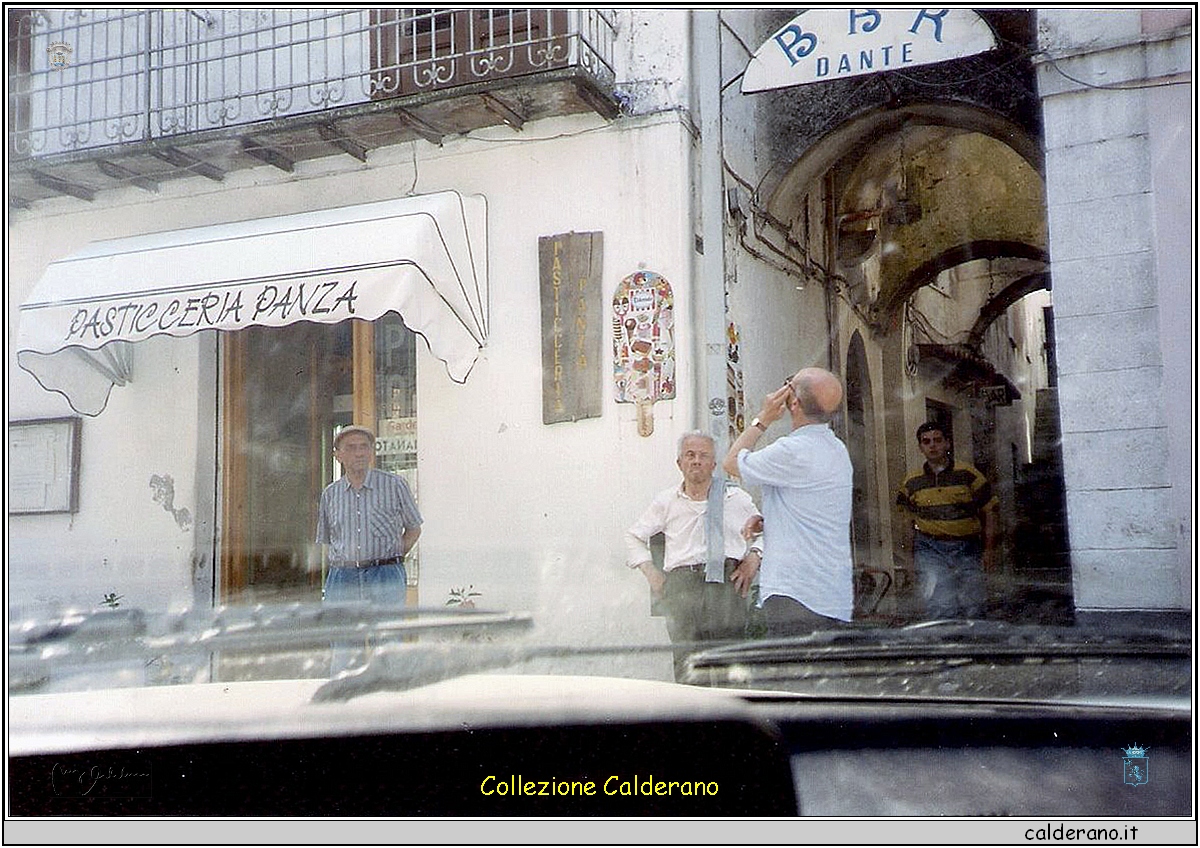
(569, 268)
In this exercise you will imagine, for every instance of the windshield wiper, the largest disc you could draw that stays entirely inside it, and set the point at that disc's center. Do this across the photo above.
(74, 640)
(411, 646)
(958, 638)
(922, 648)
(396, 668)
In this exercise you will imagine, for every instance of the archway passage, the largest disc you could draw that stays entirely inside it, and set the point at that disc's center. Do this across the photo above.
(927, 199)
(939, 273)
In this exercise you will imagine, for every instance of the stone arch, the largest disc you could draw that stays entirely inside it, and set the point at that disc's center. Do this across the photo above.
(846, 142)
(915, 190)
(1005, 298)
(886, 308)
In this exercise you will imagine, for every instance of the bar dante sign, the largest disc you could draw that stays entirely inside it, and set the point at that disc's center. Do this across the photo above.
(569, 268)
(826, 44)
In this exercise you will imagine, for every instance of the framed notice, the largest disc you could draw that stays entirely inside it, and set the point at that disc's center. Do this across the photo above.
(43, 466)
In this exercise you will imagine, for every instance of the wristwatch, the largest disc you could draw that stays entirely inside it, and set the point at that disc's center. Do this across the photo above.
(758, 424)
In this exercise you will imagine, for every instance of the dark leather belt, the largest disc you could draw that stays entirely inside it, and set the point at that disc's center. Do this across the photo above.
(371, 563)
(701, 567)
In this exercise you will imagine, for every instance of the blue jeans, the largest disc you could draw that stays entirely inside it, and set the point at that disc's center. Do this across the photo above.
(379, 584)
(950, 576)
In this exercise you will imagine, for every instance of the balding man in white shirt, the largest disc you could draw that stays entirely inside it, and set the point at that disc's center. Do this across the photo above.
(806, 481)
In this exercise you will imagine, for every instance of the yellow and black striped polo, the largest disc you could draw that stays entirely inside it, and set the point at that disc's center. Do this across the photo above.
(946, 505)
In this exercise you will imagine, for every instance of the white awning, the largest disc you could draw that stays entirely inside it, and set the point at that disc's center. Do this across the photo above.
(423, 257)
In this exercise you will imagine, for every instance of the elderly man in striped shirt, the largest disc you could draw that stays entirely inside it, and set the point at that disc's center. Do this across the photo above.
(370, 521)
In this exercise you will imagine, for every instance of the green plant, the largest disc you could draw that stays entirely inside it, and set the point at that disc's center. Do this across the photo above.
(112, 600)
(463, 597)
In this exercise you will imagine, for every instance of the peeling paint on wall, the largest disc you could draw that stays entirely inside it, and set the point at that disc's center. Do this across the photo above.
(164, 493)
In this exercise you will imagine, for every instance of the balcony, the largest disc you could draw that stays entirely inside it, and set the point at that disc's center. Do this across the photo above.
(102, 98)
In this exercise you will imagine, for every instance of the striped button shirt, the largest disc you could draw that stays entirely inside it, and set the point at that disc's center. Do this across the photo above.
(946, 504)
(361, 525)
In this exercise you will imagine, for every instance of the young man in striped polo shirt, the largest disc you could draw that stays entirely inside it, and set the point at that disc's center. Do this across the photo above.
(954, 528)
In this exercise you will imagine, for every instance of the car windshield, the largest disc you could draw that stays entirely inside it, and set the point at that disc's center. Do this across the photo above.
(825, 374)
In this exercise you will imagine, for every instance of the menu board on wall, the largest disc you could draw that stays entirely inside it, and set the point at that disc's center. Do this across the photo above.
(44, 465)
(569, 268)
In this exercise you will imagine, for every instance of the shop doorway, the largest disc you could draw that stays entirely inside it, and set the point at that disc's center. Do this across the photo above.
(286, 391)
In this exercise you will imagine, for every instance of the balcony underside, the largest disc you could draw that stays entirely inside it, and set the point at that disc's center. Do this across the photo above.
(345, 131)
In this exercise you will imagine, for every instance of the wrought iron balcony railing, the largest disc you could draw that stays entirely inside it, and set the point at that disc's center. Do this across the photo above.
(88, 78)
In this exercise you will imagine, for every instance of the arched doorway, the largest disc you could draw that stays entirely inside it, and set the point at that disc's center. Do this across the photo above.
(936, 219)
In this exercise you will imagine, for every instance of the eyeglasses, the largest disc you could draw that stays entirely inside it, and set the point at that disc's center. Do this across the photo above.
(787, 382)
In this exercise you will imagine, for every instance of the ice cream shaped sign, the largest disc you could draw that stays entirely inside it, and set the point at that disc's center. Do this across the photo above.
(644, 344)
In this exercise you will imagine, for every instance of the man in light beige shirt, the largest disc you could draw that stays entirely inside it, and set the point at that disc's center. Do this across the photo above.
(696, 610)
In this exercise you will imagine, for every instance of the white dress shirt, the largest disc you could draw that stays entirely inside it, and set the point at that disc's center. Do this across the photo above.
(682, 521)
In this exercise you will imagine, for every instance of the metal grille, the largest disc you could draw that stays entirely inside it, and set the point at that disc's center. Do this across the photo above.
(84, 78)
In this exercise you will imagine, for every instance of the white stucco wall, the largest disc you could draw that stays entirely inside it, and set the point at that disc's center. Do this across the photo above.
(547, 503)
(1117, 251)
(120, 540)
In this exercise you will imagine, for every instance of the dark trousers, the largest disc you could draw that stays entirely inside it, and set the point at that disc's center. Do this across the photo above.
(788, 617)
(698, 611)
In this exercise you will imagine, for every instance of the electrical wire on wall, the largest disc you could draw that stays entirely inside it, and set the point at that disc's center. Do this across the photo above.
(1115, 86)
(921, 321)
(1024, 54)
(416, 169)
(806, 269)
